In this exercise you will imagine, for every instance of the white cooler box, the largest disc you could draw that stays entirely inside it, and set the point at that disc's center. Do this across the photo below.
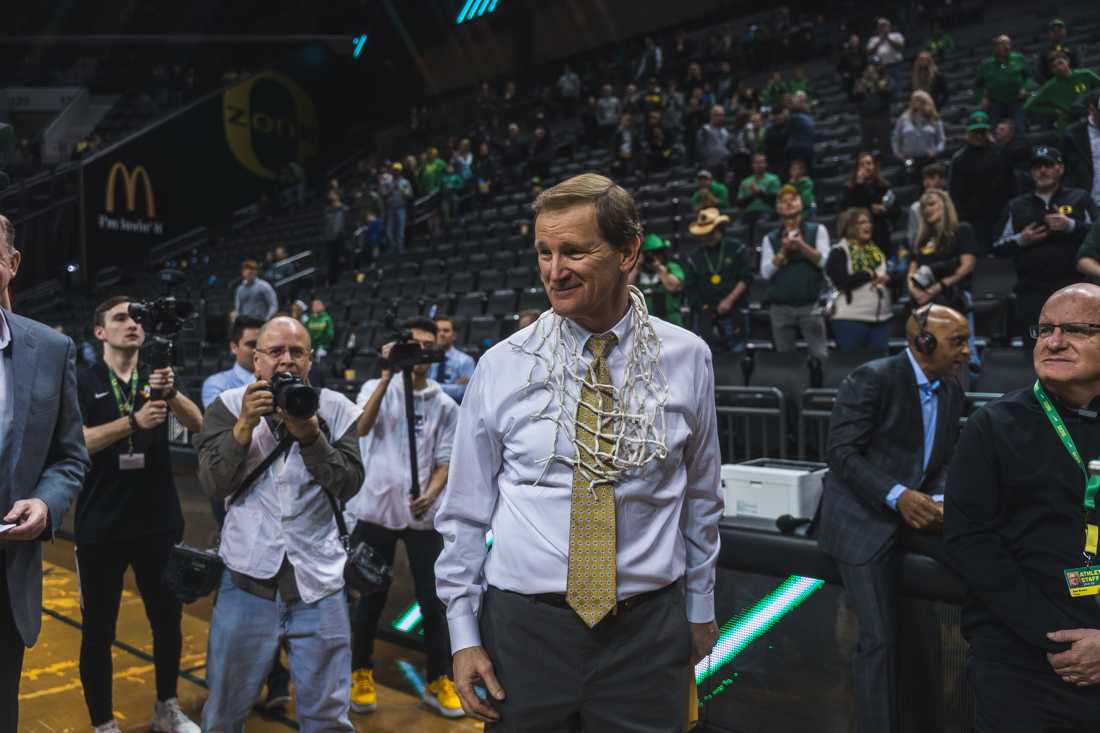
(768, 488)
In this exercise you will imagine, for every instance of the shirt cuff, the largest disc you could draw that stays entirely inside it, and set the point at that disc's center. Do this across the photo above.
(700, 607)
(1072, 225)
(465, 632)
(892, 497)
(937, 498)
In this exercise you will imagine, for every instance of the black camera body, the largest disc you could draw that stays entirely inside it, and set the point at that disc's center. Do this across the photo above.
(163, 316)
(294, 396)
(406, 354)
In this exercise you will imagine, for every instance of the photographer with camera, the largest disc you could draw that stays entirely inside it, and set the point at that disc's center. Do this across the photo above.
(284, 559)
(660, 279)
(128, 513)
(387, 511)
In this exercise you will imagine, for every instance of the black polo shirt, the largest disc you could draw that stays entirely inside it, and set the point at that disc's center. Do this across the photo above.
(118, 504)
(1014, 521)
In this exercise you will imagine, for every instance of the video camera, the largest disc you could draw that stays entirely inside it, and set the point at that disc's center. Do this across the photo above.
(162, 317)
(294, 396)
(405, 353)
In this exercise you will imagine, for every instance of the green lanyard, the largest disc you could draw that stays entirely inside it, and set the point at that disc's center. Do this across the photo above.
(125, 407)
(1092, 483)
(721, 257)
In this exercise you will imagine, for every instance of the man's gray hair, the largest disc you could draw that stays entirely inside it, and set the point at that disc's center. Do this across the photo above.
(7, 234)
(616, 214)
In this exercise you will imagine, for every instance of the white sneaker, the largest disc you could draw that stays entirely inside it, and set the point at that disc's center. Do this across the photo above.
(109, 727)
(168, 718)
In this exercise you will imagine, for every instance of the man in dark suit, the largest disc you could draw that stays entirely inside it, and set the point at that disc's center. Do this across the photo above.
(890, 440)
(1082, 146)
(38, 477)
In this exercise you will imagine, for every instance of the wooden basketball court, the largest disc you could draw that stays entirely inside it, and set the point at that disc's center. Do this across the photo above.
(51, 698)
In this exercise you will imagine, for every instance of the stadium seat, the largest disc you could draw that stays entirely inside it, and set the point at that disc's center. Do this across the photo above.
(489, 280)
(502, 302)
(471, 304)
(533, 299)
(842, 363)
(484, 331)
(1004, 370)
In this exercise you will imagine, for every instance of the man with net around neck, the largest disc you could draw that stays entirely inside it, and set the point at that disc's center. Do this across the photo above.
(587, 443)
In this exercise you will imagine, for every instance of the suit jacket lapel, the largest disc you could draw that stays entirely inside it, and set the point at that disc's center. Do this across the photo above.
(24, 364)
(910, 402)
(945, 407)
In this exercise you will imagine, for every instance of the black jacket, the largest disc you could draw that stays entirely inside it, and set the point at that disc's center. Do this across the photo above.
(1078, 155)
(1052, 263)
(876, 440)
(1014, 521)
(981, 182)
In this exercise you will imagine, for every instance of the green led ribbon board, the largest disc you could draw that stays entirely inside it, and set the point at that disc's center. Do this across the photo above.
(472, 9)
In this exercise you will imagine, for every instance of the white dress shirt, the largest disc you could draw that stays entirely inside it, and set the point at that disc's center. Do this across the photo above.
(285, 512)
(667, 512)
(384, 498)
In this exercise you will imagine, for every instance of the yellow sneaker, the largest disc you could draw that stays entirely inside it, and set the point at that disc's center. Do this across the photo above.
(364, 697)
(441, 696)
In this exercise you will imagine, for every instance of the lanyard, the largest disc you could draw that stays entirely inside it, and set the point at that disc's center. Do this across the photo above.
(1092, 483)
(125, 407)
(721, 256)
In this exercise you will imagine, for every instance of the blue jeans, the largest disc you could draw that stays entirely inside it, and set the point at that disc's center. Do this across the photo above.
(861, 335)
(395, 228)
(245, 633)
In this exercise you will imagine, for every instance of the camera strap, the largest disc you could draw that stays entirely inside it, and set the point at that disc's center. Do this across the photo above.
(280, 449)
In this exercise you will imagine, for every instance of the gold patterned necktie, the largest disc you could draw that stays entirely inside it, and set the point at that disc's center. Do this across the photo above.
(590, 589)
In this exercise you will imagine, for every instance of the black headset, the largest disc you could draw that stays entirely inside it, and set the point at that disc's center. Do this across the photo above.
(925, 342)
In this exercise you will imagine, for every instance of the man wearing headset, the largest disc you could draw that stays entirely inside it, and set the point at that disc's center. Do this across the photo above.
(885, 488)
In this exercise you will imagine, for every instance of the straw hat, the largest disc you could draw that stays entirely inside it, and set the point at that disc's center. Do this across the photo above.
(706, 221)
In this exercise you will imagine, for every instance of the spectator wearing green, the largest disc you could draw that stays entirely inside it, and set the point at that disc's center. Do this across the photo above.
(940, 43)
(1003, 80)
(431, 174)
(719, 192)
(773, 92)
(718, 277)
(660, 279)
(322, 331)
(453, 183)
(1055, 98)
(803, 184)
(756, 194)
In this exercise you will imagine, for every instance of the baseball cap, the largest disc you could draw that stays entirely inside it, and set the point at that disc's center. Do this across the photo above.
(1057, 23)
(1047, 153)
(704, 174)
(977, 121)
(654, 242)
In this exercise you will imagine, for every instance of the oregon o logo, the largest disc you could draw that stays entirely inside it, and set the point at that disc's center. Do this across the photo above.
(269, 122)
(129, 188)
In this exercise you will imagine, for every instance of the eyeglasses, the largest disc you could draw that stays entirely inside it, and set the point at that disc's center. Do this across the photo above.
(1072, 331)
(297, 353)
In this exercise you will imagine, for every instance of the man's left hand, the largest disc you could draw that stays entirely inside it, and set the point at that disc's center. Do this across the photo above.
(1080, 665)
(423, 503)
(305, 431)
(163, 379)
(1057, 222)
(703, 637)
(29, 516)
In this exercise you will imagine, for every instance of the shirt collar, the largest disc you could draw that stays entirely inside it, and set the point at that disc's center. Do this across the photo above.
(621, 330)
(242, 374)
(922, 378)
(5, 330)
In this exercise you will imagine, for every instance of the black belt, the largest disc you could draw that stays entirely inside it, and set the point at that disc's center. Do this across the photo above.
(558, 599)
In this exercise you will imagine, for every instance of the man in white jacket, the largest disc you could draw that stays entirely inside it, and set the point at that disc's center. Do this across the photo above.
(385, 512)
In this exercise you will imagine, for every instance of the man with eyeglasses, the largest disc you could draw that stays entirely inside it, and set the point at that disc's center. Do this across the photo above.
(1042, 232)
(1021, 528)
(284, 560)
